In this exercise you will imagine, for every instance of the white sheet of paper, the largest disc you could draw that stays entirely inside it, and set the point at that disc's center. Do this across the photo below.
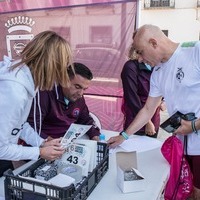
(75, 131)
(138, 143)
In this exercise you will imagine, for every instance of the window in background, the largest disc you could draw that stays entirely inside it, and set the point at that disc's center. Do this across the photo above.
(160, 3)
(101, 34)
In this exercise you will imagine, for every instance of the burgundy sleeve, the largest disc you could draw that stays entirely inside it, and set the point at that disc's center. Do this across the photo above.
(44, 106)
(129, 78)
(86, 119)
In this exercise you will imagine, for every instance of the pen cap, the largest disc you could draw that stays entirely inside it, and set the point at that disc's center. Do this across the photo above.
(102, 137)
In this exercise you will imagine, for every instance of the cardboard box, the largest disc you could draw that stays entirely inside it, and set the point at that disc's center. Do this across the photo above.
(129, 179)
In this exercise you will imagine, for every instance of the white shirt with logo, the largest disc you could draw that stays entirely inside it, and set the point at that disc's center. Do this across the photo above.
(178, 81)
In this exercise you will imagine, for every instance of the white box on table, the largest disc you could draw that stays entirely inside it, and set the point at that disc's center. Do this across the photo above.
(129, 179)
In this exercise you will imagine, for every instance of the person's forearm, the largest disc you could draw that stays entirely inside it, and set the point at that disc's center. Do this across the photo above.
(144, 115)
(140, 120)
(149, 122)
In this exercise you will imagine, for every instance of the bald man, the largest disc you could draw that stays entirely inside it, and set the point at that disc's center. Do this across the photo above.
(176, 77)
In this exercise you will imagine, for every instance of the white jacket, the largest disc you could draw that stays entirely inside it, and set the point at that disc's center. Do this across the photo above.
(17, 91)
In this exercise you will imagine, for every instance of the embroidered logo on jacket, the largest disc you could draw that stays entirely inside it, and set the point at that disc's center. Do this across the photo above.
(179, 75)
(76, 112)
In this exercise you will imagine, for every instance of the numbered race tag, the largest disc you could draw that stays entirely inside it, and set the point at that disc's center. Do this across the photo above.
(77, 154)
(75, 131)
(92, 144)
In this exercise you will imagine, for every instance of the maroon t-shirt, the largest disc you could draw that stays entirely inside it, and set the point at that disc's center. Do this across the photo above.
(136, 83)
(57, 116)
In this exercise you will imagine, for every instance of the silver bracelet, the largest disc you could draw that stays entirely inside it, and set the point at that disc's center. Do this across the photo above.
(194, 127)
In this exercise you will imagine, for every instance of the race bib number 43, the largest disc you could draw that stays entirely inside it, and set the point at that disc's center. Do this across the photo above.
(78, 155)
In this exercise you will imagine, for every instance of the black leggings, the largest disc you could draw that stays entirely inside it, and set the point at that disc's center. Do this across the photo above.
(5, 165)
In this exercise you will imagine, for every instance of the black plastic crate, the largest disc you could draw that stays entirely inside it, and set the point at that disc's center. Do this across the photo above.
(16, 187)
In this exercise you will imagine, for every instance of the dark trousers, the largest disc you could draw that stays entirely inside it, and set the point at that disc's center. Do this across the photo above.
(5, 165)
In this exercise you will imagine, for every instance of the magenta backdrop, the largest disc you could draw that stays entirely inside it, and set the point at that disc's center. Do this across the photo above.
(99, 34)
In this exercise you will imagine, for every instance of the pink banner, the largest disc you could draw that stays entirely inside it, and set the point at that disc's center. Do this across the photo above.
(99, 36)
(19, 5)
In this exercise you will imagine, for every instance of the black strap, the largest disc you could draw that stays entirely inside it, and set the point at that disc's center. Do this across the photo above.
(185, 144)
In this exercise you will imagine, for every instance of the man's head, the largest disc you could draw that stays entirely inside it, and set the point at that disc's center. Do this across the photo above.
(149, 42)
(80, 78)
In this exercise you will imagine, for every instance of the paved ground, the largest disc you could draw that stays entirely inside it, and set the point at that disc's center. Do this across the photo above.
(162, 135)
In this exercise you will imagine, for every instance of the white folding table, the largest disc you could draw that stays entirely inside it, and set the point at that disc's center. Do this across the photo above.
(150, 163)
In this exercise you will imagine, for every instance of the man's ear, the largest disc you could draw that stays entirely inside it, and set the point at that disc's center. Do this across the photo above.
(153, 42)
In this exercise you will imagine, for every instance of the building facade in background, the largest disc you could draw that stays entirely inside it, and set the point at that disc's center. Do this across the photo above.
(179, 19)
